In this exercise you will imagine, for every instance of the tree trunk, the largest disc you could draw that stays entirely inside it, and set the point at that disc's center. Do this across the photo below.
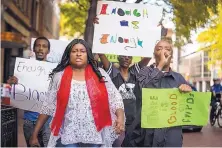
(89, 30)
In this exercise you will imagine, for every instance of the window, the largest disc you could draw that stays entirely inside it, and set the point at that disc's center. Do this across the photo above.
(29, 8)
(201, 86)
(48, 15)
(23, 6)
(35, 15)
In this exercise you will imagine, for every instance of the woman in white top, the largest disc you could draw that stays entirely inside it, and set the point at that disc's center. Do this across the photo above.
(87, 108)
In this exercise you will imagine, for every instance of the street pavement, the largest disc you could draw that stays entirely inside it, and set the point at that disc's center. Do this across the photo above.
(208, 137)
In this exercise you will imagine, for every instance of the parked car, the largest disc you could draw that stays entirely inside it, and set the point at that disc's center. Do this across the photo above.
(192, 128)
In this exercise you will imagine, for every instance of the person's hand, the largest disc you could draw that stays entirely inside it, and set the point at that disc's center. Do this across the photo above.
(12, 80)
(119, 125)
(164, 59)
(96, 20)
(185, 88)
(34, 142)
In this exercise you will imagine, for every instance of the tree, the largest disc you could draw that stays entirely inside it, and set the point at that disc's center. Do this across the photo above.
(73, 17)
(89, 30)
(188, 15)
(211, 38)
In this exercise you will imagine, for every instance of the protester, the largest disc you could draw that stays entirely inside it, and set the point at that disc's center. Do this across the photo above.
(41, 49)
(87, 107)
(96, 58)
(124, 78)
(158, 75)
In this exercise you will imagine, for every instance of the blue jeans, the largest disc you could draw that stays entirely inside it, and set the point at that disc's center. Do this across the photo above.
(59, 144)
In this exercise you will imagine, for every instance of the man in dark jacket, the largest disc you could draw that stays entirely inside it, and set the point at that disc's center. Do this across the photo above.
(157, 76)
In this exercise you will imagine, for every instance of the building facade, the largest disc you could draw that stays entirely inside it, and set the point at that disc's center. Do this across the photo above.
(194, 67)
(22, 20)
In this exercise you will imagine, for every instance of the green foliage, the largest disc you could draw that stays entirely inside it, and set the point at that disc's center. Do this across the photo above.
(211, 38)
(73, 17)
(190, 15)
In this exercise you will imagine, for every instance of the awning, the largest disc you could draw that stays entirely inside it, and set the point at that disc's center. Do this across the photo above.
(12, 40)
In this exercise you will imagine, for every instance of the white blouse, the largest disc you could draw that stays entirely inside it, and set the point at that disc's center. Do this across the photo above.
(78, 125)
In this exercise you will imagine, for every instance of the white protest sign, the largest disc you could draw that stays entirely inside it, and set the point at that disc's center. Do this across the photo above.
(126, 29)
(33, 81)
(56, 50)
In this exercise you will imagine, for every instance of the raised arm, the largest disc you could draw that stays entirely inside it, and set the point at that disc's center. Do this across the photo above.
(144, 62)
(105, 61)
(149, 76)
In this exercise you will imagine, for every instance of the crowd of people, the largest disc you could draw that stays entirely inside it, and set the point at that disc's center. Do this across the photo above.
(91, 104)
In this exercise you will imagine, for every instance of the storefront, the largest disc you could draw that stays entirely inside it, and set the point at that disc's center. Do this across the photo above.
(12, 45)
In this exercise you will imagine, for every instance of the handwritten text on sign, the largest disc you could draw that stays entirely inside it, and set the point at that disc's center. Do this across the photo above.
(168, 107)
(126, 29)
(33, 81)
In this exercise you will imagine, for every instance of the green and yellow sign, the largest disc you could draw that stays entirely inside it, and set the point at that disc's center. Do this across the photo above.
(168, 107)
(113, 58)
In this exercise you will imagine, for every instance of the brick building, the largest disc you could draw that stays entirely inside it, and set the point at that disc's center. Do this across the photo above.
(22, 20)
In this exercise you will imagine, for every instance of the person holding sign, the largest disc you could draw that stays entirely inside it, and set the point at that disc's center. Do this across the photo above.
(124, 78)
(157, 76)
(41, 49)
(87, 108)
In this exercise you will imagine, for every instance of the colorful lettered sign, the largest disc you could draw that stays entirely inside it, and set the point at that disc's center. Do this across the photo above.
(126, 29)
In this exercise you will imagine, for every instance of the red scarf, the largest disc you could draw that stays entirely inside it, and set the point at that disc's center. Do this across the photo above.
(98, 99)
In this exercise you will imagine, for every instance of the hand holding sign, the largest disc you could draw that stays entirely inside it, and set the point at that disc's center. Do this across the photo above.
(33, 77)
(96, 20)
(12, 80)
(168, 107)
(185, 88)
